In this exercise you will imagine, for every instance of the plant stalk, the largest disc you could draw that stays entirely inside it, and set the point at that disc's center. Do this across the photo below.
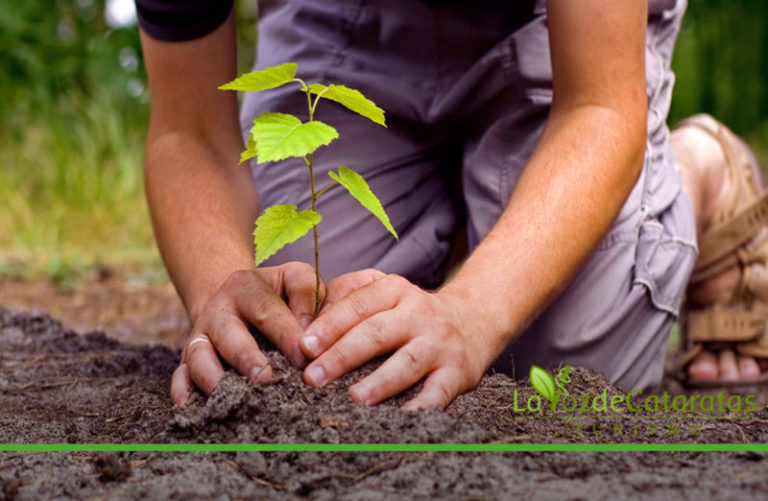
(314, 234)
(310, 163)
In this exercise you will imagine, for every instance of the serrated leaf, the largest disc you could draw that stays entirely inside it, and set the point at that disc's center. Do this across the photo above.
(279, 226)
(268, 78)
(358, 188)
(250, 150)
(542, 382)
(280, 136)
(352, 99)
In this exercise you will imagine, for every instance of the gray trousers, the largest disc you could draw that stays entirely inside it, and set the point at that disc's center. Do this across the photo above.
(467, 87)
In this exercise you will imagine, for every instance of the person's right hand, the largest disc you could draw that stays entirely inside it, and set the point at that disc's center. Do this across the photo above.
(278, 301)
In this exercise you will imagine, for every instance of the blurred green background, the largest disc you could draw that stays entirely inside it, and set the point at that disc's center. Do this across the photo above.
(74, 109)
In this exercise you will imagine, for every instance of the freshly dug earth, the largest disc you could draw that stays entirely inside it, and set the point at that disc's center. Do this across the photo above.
(60, 386)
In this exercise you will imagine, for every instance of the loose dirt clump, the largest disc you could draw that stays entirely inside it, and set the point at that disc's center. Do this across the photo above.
(60, 386)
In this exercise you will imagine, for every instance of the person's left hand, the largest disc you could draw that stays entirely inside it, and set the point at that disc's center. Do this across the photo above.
(368, 314)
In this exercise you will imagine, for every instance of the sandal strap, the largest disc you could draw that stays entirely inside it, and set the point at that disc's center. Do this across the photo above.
(757, 349)
(718, 242)
(728, 236)
(708, 326)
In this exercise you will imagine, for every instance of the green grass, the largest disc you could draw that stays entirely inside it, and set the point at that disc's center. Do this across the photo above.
(71, 184)
(721, 69)
(72, 139)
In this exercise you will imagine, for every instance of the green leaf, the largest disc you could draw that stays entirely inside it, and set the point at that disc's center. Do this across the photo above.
(359, 189)
(280, 136)
(279, 226)
(542, 382)
(352, 99)
(268, 78)
(250, 150)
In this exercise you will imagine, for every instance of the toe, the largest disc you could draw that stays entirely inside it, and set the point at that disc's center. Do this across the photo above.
(729, 370)
(748, 368)
(703, 367)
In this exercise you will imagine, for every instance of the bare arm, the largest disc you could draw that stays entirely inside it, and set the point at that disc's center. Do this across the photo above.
(203, 204)
(584, 167)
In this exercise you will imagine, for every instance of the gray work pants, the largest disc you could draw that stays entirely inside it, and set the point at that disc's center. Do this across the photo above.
(467, 87)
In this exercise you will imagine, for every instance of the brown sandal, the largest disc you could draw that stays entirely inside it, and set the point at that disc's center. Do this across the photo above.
(739, 238)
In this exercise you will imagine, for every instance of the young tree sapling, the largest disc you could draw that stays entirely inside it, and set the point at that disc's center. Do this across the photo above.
(277, 136)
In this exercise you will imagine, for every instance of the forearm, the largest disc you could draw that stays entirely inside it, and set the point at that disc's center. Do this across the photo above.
(203, 206)
(203, 203)
(576, 182)
(579, 176)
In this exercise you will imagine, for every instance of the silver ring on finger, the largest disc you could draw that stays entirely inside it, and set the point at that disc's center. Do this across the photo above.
(199, 339)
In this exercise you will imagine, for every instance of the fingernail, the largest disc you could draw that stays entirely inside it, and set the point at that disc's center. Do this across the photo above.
(316, 375)
(325, 307)
(304, 321)
(361, 392)
(254, 374)
(312, 343)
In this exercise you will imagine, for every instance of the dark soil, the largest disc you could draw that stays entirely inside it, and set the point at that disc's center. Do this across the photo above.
(60, 386)
(134, 305)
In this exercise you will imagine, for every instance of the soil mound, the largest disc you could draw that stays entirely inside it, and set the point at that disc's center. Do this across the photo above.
(61, 386)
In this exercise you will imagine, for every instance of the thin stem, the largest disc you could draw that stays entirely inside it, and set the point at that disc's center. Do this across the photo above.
(329, 185)
(311, 108)
(310, 164)
(305, 88)
(314, 234)
(317, 99)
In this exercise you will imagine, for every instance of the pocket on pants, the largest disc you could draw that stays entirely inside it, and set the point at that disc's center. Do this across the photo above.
(665, 254)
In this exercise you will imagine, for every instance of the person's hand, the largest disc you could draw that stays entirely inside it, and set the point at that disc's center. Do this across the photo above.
(278, 301)
(368, 314)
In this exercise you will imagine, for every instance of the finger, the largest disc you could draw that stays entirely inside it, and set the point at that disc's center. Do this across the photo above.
(259, 305)
(300, 282)
(181, 384)
(344, 284)
(440, 388)
(376, 336)
(728, 369)
(381, 295)
(238, 348)
(205, 370)
(401, 371)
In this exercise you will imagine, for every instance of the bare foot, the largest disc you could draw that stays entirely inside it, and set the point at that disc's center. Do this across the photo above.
(703, 166)
(726, 366)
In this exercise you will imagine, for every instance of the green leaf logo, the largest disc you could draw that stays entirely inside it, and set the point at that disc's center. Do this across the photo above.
(542, 382)
(278, 136)
(279, 226)
(268, 78)
(359, 189)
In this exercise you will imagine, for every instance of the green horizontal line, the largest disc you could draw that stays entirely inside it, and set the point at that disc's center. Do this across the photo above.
(676, 417)
(636, 447)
